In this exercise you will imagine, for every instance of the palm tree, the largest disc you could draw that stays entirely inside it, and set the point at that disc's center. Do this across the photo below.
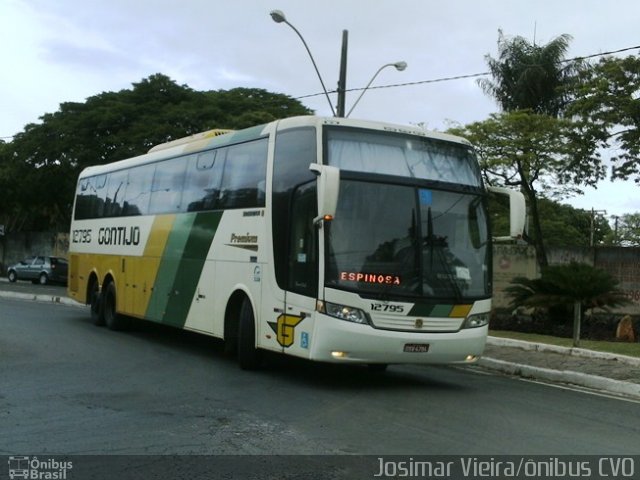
(577, 284)
(526, 76)
(531, 77)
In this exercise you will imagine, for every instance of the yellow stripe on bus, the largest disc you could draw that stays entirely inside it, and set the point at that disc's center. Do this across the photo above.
(460, 311)
(144, 270)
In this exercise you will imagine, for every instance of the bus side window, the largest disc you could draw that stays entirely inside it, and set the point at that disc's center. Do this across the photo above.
(166, 192)
(244, 176)
(202, 182)
(85, 198)
(116, 186)
(136, 201)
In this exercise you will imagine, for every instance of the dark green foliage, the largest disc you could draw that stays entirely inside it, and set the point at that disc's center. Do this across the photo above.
(561, 225)
(527, 76)
(606, 94)
(566, 284)
(39, 168)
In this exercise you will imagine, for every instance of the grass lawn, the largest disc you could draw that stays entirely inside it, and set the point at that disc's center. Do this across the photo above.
(621, 348)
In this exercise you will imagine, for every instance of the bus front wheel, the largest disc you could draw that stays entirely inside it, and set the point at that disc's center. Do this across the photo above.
(249, 357)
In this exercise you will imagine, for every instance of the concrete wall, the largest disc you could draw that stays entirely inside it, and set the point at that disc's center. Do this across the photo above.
(16, 246)
(510, 261)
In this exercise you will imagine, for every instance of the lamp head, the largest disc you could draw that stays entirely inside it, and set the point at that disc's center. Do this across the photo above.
(278, 16)
(400, 66)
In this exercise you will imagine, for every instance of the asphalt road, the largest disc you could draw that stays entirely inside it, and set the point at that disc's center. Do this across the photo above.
(68, 387)
(24, 286)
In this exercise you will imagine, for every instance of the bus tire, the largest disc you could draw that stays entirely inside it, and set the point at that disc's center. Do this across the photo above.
(95, 303)
(112, 319)
(249, 357)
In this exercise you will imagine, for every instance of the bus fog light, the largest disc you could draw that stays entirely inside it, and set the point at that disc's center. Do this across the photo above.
(343, 312)
(471, 358)
(338, 354)
(475, 321)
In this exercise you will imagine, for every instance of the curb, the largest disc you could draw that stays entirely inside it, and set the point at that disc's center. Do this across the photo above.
(562, 376)
(576, 352)
(42, 298)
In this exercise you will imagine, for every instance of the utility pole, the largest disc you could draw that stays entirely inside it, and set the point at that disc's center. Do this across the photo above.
(593, 227)
(342, 78)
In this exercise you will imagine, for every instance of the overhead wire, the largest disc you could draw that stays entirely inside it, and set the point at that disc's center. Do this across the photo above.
(461, 77)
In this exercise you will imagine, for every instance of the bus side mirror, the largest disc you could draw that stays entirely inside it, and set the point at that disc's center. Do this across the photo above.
(328, 190)
(517, 212)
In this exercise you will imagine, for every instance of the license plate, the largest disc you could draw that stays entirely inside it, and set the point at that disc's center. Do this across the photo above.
(416, 347)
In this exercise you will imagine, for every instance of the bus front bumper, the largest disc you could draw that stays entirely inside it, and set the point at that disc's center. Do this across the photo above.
(340, 341)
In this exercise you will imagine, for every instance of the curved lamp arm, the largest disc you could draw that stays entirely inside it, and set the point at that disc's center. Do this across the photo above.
(278, 17)
(400, 66)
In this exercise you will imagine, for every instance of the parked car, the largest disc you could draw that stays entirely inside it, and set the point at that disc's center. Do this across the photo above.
(39, 269)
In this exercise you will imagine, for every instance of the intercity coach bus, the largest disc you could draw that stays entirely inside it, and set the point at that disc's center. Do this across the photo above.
(331, 239)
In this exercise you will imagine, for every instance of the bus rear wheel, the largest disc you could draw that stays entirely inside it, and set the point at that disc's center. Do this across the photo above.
(95, 302)
(249, 357)
(112, 319)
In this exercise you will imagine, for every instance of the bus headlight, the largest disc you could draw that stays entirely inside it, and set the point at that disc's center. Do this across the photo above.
(475, 321)
(343, 312)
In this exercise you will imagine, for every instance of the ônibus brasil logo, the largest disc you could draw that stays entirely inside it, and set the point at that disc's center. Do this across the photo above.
(33, 468)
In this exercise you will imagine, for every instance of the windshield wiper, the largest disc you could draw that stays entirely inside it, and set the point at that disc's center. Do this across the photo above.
(432, 240)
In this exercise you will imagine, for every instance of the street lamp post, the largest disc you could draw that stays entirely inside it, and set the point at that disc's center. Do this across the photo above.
(278, 17)
(400, 66)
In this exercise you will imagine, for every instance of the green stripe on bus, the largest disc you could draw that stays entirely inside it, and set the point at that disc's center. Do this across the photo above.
(421, 310)
(430, 310)
(190, 268)
(169, 264)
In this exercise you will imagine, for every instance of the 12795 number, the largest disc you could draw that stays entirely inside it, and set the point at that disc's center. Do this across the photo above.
(386, 307)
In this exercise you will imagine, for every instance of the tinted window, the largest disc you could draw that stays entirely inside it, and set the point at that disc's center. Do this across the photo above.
(116, 187)
(403, 155)
(202, 184)
(303, 254)
(244, 175)
(85, 196)
(295, 150)
(166, 192)
(136, 201)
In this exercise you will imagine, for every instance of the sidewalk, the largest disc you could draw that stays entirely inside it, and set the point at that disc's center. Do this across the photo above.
(614, 374)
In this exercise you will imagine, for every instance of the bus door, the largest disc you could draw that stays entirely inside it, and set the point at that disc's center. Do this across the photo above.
(295, 331)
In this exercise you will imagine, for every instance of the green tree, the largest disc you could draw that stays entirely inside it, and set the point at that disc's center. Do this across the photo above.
(38, 169)
(542, 155)
(527, 76)
(607, 95)
(529, 82)
(576, 284)
(562, 225)
(626, 231)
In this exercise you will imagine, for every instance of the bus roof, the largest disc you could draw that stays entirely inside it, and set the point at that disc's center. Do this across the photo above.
(219, 138)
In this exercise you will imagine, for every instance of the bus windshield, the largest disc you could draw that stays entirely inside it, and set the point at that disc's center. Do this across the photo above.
(403, 241)
(402, 155)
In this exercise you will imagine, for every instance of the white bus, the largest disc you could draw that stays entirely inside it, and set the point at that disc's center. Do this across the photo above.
(331, 239)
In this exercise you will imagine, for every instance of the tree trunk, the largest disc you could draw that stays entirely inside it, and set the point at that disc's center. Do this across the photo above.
(538, 240)
(577, 315)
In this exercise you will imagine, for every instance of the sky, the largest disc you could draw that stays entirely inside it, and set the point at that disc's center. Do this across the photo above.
(68, 50)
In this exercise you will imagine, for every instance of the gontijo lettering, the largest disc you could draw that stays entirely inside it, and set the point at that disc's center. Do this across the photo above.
(119, 236)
